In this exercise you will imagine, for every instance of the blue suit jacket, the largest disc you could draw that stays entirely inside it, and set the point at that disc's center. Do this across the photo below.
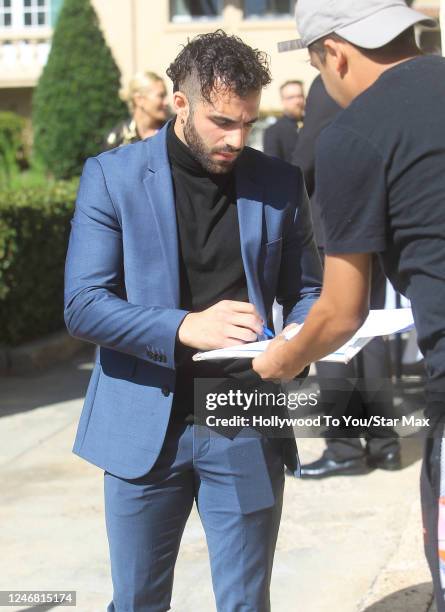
(122, 286)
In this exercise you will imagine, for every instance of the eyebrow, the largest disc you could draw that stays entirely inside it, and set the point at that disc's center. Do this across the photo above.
(230, 120)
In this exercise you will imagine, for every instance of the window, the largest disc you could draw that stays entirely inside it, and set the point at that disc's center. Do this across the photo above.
(27, 13)
(188, 10)
(36, 13)
(269, 8)
(5, 13)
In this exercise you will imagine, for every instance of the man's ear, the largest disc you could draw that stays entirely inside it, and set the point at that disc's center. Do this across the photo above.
(181, 105)
(337, 56)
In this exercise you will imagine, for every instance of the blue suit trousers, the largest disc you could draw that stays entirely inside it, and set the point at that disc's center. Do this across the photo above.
(237, 485)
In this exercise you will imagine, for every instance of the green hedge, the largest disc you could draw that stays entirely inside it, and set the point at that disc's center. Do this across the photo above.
(11, 145)
(34, 230)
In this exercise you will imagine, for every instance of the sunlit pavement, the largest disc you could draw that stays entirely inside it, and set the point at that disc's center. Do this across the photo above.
(346, 543)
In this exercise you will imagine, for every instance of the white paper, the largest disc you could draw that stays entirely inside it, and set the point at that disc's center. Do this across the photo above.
(378, 323)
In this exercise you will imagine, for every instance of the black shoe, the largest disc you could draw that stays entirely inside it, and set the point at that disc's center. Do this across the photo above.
(325, 466)
(388, 461)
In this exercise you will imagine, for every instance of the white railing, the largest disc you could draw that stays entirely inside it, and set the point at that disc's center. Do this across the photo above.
(22, 56)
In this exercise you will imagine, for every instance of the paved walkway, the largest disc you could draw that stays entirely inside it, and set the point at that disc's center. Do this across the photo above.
(347, 544)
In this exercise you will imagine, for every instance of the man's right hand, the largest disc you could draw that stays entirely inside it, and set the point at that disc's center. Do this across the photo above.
(225, 324)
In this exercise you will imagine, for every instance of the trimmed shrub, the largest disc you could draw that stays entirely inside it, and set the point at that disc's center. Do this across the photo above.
(76, 101)
(11, 145)
(34, 231)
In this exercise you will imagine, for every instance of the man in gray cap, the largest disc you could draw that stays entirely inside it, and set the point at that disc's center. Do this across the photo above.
(381, 188)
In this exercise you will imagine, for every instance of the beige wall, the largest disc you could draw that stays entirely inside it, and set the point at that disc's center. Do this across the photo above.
(141, 37)
(156, 41)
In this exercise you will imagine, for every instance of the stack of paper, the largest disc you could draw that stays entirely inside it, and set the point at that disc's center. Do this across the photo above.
(378, 323)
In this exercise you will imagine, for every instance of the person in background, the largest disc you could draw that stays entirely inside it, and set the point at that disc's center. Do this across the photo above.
(338, 394)
(148, 105)
(320, 110)
(281, 138)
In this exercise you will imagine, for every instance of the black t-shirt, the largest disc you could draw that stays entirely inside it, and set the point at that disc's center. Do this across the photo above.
(380, 175)
(210, 261)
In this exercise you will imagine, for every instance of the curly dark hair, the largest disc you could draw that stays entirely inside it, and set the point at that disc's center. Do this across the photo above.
(219, 58)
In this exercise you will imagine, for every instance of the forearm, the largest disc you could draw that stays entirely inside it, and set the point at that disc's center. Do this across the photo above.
(331, 322)
(324, 331)
(149, 333)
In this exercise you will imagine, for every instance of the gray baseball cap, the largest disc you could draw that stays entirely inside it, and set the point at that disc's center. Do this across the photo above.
(369, 24)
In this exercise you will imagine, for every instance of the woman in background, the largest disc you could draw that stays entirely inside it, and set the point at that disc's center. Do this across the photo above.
(147, 101)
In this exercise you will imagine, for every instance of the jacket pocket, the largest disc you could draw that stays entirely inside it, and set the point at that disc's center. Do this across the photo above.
(116, 364)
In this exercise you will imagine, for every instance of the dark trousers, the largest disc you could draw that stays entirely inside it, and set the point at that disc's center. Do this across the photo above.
(361, 388)
(432, 486)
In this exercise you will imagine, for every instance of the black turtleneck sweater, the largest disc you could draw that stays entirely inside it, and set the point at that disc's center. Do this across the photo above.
(210, 262)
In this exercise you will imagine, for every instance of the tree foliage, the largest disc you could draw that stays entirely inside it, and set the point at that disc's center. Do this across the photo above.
(76, 101)
(11, 146)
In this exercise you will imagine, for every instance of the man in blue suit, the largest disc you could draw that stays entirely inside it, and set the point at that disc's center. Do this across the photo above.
(181, 243)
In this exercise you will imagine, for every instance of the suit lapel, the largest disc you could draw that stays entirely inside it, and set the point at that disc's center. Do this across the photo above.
(250, 217)
(159, 188)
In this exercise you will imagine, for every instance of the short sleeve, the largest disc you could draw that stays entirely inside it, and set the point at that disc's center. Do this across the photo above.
(350, 184)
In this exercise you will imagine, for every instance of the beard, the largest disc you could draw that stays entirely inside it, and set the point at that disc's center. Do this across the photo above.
(203, 154)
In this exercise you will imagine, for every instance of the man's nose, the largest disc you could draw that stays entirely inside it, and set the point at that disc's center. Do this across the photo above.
(236, 139)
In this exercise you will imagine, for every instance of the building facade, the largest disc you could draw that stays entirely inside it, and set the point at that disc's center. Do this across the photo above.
(147, 35)
(26, 28)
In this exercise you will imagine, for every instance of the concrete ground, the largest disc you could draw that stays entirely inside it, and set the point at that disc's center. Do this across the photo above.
(346, 544)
